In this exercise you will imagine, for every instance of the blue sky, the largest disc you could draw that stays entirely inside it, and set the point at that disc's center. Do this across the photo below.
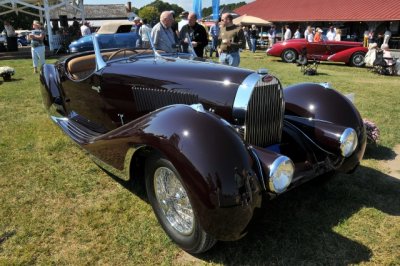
(186, 4)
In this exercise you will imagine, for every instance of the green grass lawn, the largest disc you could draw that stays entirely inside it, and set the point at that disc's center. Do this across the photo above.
(58, 207)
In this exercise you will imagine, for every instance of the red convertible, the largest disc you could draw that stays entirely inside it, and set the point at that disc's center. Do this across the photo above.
(351, 53)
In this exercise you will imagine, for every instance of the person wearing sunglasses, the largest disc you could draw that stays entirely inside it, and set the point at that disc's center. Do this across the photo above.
(231, 40)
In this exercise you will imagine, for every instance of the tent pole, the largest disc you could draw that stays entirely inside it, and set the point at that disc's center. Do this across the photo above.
(48, 23)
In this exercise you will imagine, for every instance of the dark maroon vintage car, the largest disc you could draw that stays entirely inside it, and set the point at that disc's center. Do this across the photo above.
(351, 53)
(210, 142)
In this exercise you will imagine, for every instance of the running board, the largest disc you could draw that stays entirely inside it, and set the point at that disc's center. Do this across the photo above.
(76, 131)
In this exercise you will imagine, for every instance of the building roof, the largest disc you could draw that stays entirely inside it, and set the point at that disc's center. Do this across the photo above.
(117, 11)
(323, 10)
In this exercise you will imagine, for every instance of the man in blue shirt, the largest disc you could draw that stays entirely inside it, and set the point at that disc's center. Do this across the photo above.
(214, 33)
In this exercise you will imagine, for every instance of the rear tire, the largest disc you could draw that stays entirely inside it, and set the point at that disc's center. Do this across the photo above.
(357, 59)
(172, 207)
(289, 56)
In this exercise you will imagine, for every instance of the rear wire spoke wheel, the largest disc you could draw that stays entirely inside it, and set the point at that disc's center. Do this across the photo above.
(357, 59)
(172, 206)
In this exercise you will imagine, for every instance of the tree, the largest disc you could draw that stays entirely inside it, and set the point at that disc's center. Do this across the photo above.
(161, 6)
(150, 13)
(223, 8)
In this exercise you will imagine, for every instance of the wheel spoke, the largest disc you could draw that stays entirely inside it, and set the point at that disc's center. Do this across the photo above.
(173, 200)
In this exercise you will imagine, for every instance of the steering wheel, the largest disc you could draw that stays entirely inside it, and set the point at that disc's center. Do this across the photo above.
(120, 51)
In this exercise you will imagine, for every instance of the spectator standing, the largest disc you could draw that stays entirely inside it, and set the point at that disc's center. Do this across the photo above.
(174, 27)
(331, 34)
(184, 21)
(307, 32)
(271, 36)
(371, 38)
(37, 45)
(197, 34)
(231, 40)
(214, 33)
(145, 32)
(136, 28)
(386, 36)
(288, 33)
(9, 29)
(253, 38)
(85, 29)
(318, 35)
(162, 35)
(338, 36)
(297, 33)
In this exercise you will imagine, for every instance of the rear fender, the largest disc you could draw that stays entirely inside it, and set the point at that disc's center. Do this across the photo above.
(213, 161)
(345, 56)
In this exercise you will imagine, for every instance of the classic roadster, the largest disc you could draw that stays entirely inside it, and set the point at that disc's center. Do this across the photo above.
(351, 53)
(210, 142)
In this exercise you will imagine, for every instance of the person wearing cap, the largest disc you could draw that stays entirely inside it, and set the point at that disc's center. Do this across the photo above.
(195, 33)
(162, 35)
(184, 16)
(318, 35)
(37, 45)
(136, 28)
(85, 30)
(231, 39)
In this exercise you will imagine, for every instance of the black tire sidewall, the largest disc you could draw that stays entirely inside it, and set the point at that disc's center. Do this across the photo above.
(355, 55)
(186, 242)
(289, 51)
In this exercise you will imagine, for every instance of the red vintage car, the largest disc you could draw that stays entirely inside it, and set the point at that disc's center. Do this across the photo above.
(351, 53)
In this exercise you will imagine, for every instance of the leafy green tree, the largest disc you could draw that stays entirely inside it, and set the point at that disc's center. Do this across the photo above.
(150, 13)
(224, 8)
(161, 6)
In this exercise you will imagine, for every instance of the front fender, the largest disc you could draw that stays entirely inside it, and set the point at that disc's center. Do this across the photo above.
(50, 83)
(345, 55)
(213, 161)
(316, 102)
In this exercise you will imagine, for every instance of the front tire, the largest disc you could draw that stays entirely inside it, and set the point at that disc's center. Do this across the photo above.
(289, 56)
(357, 59)
(172, 206)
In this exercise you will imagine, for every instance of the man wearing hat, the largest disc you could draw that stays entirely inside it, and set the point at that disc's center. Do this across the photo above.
(37, 45)
(136, 29)
(184, 16)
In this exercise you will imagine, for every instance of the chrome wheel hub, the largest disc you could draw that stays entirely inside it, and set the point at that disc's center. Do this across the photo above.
(173, 200)
(289, 55)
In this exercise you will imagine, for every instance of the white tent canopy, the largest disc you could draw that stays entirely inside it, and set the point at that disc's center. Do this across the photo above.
(250, 20)
(44, 8)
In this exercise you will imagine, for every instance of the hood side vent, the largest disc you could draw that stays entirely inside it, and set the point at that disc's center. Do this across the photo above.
(150, 99)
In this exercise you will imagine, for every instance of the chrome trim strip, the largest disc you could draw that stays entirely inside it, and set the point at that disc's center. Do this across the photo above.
(244, 92)
(99, 59)
(259, 167)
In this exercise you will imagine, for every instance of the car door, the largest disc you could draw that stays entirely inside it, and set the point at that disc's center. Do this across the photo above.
(317, 50)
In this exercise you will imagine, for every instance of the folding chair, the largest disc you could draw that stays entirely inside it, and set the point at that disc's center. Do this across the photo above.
(384, 65)
(307, 67)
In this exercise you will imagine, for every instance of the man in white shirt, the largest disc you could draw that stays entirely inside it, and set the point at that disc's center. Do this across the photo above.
(184, 15)
(288, 33)
(331, 34)
(85, 30)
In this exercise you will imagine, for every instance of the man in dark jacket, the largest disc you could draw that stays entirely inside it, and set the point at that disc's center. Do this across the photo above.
(197, 34)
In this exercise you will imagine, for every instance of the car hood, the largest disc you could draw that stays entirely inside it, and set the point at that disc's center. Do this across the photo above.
(215, 85)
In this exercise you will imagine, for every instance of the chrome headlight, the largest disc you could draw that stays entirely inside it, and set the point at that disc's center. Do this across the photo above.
(348, 142)
(281, 174)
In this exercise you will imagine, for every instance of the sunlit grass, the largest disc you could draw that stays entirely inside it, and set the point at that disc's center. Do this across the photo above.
(58, 207)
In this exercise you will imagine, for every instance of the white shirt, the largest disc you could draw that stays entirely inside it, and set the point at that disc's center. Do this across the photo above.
(288, 34)
(10, 30)
(182, 23)
(144, 32)
(297, 34)
(330, 35)
(85, 30)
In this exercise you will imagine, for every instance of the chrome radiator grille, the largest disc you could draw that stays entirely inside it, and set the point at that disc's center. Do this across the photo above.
(264, 116)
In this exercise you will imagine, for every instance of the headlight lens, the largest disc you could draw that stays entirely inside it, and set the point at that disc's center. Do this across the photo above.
(348, 142)
(281, 174)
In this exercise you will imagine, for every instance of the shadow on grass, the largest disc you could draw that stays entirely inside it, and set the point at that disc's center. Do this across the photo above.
(379, 152)
(297, 227)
